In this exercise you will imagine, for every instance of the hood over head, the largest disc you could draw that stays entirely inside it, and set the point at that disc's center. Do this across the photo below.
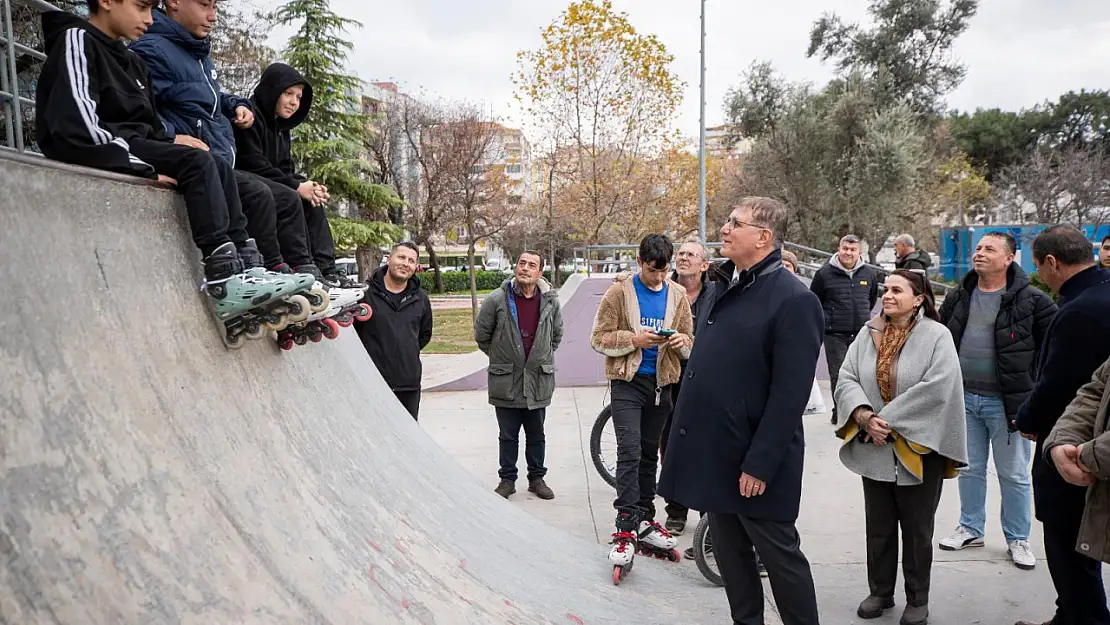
(164, 26)
(275, 80)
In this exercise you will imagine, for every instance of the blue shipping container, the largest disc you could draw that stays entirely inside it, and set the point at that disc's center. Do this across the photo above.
(957, 245)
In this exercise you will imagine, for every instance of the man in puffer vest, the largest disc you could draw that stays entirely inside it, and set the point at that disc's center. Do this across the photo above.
(848, 290)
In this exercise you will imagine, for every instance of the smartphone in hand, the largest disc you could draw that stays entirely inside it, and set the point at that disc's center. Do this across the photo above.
(665, 332)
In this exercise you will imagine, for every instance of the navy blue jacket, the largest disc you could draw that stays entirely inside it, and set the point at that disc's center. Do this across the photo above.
(741, 401)
(1076, 344)
(188, 97)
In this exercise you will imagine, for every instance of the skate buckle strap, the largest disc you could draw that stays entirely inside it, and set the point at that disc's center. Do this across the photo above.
(204, 285)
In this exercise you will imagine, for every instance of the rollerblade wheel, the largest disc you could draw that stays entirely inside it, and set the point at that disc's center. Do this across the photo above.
(364, 313)
(286, 345)
(254, 331)
(298, 308)
(275, 322)
(331, 329)
(301, 339)
(233, 341)
(315, 335)
(318, 300)
(344, 320)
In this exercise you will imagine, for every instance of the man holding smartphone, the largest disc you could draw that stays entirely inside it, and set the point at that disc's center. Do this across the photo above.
(644, 329)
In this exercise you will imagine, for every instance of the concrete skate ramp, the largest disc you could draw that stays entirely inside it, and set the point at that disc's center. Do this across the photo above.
(149, 475)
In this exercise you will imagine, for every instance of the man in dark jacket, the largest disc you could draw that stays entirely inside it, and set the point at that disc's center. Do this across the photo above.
(401, 325)
(281, 102)
(848, 289)
(192, 105)
(519, 327)
(909, 257)
(737, 445)
(1076, 344)
(998, 322)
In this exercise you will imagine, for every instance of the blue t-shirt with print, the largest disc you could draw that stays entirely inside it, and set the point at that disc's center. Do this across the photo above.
(653, 307)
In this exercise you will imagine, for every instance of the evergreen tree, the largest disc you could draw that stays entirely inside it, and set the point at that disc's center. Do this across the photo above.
(329, 146)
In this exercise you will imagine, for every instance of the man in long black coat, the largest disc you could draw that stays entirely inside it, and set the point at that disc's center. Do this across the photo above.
(736, 446)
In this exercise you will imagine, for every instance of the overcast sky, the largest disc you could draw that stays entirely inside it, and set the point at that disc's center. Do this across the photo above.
(1018, 52)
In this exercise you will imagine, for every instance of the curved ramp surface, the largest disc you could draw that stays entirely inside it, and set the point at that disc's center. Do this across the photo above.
(149, 475)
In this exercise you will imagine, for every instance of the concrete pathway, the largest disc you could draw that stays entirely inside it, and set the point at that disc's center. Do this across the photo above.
(976, 586)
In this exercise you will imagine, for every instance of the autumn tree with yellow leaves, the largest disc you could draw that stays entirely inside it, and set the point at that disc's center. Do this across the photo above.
(604, 97)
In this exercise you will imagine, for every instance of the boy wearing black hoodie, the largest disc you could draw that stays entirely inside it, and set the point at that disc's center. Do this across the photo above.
(280, 102)
(95, 109)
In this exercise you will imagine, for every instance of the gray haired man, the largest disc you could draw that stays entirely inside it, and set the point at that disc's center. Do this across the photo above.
(909, 257)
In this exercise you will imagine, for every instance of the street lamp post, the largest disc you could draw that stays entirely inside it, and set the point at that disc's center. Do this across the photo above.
(701, 135)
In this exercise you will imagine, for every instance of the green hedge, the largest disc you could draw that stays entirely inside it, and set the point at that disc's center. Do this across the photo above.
(454, 281)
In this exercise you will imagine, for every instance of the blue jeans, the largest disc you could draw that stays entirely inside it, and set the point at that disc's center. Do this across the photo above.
(986, 428)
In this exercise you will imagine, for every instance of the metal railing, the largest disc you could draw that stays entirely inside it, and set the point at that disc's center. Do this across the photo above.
(805, 268)
(12, 97)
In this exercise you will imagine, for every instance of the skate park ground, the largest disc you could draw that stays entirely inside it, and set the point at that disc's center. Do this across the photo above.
(973, 586)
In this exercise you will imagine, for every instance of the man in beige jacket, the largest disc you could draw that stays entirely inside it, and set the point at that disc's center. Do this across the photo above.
(644, 329)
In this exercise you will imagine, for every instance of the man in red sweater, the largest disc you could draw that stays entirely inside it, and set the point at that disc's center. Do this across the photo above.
(520, 326)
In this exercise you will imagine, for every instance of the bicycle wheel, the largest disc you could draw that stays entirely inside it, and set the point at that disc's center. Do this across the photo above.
(703, 553)
(603, 446)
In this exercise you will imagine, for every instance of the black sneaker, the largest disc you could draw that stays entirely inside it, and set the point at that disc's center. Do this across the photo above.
(505, 488)
(341, 280)
(540, 488)
(675, 525)
(310, 269)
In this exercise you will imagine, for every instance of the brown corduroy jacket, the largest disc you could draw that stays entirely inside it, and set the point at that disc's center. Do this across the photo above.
(618, 320)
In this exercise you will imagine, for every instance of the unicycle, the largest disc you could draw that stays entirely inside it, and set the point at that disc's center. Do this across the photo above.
(703, 553)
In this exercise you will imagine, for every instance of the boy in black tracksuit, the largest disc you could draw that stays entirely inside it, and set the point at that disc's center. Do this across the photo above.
(94, 109)
(281, 101)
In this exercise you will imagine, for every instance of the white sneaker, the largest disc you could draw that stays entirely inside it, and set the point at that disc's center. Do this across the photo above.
(1022, 555)
(961, 539)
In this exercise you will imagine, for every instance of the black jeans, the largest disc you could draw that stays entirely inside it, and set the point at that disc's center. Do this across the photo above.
(258, 207)
(638, 422)
(888, 507)
(674, 509)
(509, 422)
(1081, 597)
(411, 401)
(320, 242)
(836, 348)
(209, 188)
(276, 220)
(780, 550)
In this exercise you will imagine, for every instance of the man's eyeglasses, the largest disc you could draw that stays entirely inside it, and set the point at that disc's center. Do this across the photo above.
(688, 255)
(733, 223)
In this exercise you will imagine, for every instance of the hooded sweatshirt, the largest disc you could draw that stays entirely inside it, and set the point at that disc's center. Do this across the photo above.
(93, 97)
(189, 98)
(264, 147)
